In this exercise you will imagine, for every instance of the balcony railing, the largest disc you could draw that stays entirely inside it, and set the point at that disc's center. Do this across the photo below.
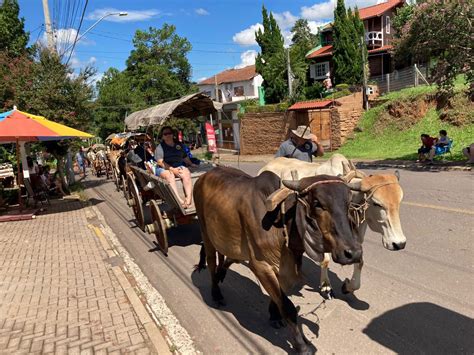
(374, 38)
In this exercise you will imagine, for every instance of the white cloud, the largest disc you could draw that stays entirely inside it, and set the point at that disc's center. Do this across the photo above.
(202, 12)
(324, 11)
(314, 26)
(247, 58)
(132, 15)
(247, 36)
(285, 20)
(201, 79)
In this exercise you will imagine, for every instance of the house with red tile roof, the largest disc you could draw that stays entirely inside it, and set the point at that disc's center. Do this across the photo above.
(232, 85)
(379, 33)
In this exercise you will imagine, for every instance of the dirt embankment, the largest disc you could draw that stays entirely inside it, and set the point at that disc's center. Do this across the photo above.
(403, 114)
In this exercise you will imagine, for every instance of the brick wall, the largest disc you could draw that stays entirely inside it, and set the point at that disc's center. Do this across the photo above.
(262, 133)
(344, 118)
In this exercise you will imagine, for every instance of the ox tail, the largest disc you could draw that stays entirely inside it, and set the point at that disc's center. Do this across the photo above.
(289, 273)
(202, 260)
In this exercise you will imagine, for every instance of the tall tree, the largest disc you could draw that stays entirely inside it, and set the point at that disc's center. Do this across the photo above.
(158, 67)
(13, 38)
(115, 98)
(302, 42)
(271, 61)
(348, 50)
(441, 31)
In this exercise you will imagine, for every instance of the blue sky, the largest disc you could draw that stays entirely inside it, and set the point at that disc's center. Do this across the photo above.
(221, 32)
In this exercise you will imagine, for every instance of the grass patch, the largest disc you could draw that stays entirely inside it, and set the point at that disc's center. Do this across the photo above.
(382, 139)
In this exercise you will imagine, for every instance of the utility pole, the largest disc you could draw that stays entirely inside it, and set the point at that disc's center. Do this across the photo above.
(290, 84)
(365, 102)
(49, 29)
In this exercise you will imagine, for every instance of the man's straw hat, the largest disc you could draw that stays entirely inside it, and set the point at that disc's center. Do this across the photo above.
(302, 132)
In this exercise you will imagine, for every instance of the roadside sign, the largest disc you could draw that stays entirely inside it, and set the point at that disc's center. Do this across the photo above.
(211, 138)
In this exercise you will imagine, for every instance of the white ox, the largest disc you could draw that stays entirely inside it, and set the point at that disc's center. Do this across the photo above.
(375, 203)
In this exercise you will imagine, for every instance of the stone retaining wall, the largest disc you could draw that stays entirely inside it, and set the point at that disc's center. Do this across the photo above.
(262, 133)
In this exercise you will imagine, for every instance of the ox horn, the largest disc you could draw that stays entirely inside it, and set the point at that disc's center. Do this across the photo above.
(292, 184)
(356, 186)
(346, 168)
(276, 198)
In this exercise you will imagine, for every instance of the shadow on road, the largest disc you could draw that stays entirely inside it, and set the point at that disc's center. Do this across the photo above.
(249, 306)
(312, 274)
(429, 328)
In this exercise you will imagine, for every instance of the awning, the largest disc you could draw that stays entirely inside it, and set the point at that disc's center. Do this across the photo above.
(189, 106)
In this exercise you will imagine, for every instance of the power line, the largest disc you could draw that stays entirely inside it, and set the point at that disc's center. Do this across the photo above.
(77, 33)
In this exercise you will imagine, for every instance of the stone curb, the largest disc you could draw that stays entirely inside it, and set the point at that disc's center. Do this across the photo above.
(158, 341)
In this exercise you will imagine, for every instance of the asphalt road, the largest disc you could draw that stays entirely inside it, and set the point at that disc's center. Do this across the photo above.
(418, 300)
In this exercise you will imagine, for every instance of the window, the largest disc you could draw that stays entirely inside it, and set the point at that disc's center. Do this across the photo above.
(239, 91)
(228, 86)
(319, 70)
(387, 24)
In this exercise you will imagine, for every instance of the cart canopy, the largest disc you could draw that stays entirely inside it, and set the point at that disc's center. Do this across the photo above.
(189, 106)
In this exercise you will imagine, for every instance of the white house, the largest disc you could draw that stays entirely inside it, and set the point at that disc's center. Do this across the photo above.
(233, 84)
(230, 87)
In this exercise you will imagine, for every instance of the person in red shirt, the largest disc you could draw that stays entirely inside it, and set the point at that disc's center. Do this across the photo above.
(427, 142)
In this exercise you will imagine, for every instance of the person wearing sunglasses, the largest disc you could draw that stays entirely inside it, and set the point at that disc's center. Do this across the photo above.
(173, 161)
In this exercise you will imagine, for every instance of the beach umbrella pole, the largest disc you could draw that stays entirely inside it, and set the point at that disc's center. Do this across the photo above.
(19, 180)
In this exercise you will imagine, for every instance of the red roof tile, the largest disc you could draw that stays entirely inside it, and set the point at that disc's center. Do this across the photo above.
(231, 75)
(377, 10)
(310, 105)
(321, 52)
(380, 49)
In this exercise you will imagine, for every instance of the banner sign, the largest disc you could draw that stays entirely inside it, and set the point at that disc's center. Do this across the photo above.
(211, 138)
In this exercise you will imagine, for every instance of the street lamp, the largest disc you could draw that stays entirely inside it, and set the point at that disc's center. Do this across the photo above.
(122, 13)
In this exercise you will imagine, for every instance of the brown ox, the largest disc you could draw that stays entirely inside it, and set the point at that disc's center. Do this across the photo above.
(253, 219)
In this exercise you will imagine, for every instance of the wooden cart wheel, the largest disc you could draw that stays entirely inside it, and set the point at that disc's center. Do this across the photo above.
(136, 202)
(124, 182)
(116, 179)
(159, 227)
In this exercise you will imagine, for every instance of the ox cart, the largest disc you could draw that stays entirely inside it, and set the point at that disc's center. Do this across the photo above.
(155, 205)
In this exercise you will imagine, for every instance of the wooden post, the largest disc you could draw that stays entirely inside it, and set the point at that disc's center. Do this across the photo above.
(388, 82)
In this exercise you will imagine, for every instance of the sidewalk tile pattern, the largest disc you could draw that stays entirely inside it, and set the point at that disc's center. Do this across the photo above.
(58, 294)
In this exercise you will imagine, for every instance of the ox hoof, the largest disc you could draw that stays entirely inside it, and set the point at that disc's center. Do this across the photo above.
(345, 287)
(220, 274)
(277, 324)
(327, 292)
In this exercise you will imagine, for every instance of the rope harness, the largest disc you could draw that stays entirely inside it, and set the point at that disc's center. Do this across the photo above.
(357, 211)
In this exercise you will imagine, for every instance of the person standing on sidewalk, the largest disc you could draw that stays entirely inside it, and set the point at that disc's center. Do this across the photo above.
(80, 158)
(301, 145)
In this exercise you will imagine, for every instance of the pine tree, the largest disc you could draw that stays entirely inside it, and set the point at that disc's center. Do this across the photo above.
(271, 61)
(347, 48)
(13, 38)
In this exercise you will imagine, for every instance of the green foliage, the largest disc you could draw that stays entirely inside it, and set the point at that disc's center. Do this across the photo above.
(271, 61)
(17, 76)
(184, 125)
(157, 71)
(348, 51)
(157, 66)
(315, 91)
(13, 38)
(303, 41)
(280, 107)
(7, 153)
(440, 31)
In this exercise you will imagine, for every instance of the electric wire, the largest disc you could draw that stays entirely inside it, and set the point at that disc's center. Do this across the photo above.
(78, 29)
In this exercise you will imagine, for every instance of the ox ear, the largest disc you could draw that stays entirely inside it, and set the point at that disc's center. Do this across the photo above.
(276, 198)
(397, 174)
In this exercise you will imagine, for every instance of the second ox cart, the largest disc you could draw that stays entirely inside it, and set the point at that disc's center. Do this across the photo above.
(145, 191)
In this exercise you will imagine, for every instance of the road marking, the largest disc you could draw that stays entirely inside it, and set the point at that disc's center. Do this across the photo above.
(442, 208)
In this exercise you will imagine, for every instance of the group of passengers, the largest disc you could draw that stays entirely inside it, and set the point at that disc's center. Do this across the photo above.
(432, 146)
(170, 159)
(42, 180)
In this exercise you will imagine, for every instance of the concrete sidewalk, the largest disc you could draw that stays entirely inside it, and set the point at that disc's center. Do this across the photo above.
(62, 291)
